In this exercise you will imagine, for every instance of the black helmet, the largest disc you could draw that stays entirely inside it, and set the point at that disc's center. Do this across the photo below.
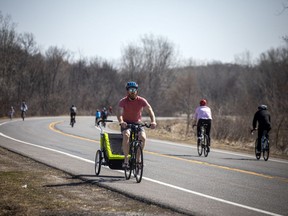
(262, 107)
(131, 84)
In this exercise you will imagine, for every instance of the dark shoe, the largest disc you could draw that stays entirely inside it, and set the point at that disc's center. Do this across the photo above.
(208, 149)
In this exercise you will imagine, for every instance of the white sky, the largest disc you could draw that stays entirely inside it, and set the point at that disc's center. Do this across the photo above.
(204, 30)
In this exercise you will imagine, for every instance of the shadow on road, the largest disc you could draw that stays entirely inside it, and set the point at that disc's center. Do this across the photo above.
(84, 181)
(243, 159)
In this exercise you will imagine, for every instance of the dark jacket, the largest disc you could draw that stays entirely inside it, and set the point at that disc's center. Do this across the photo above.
(263, 118)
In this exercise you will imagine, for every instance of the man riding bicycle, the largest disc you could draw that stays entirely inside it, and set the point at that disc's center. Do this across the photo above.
(24, 109)
(203, 115)
(262, 116)
(73, 111)
(130, 111)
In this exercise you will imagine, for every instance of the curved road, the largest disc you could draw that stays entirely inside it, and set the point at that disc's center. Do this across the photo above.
(224, 183)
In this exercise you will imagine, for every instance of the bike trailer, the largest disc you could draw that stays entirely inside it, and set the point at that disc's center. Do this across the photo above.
(111, 145)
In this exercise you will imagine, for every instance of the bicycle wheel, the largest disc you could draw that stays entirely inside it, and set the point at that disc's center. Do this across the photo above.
(266, 150)
(128, 170)
(258, 155)
(98, 162)
(138, 168)
(199, 147)
(206, 150)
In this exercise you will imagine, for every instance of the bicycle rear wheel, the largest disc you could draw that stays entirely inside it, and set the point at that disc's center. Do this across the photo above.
(98, 162)
(138, 168)
(257, 154)
(206, 147)
(266, 150)
(199, 147)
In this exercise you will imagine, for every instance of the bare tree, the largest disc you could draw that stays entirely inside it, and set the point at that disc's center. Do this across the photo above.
(150, 64)
(183, 94)
(284, 7)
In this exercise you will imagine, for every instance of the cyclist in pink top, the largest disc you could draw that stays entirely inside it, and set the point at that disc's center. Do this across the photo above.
(203, 115)
(130, 111)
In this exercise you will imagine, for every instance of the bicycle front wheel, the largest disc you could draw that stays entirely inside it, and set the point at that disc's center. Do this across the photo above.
(128, 170)
(206, 147)
(98, 162)
(199, 147)
(138, 168)
(266, 150)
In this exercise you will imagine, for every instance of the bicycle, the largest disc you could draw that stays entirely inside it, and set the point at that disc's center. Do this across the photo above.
(265, 146)
(72, 121)
(203, 141)
(135, 162)
(23, 115)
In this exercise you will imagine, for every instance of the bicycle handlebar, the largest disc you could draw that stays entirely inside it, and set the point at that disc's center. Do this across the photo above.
(103, 120)
(135, 125)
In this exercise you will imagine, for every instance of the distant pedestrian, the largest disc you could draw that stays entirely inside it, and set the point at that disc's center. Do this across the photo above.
(11, 112)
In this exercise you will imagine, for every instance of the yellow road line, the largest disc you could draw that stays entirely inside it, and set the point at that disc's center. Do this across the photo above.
(214, 165)
(52, 127)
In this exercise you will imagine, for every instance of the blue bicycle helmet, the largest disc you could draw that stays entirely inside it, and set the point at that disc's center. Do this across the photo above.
(131, 84)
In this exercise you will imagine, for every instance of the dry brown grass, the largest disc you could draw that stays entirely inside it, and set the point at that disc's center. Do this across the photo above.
(31, 188)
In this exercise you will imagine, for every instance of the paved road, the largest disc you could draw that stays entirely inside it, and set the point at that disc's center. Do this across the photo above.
(224, 183)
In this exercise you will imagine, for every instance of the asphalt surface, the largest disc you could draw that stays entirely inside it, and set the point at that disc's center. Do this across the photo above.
(224, 183)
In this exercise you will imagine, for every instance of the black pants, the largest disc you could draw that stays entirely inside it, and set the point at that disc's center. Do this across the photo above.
(260, 134)
(208, 127)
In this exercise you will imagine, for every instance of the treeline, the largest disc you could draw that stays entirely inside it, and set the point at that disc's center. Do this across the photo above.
(51, 82)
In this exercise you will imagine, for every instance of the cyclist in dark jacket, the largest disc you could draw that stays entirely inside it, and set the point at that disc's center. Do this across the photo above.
(262, 116)
(73, 111)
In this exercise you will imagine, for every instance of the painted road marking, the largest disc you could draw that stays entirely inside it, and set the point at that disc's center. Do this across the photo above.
(52, 127)
(151, 180)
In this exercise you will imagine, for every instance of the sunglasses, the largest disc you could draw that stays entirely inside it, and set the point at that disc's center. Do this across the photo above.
(132, 90)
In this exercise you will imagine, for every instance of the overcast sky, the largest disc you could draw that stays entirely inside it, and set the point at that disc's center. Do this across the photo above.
(204, 30)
